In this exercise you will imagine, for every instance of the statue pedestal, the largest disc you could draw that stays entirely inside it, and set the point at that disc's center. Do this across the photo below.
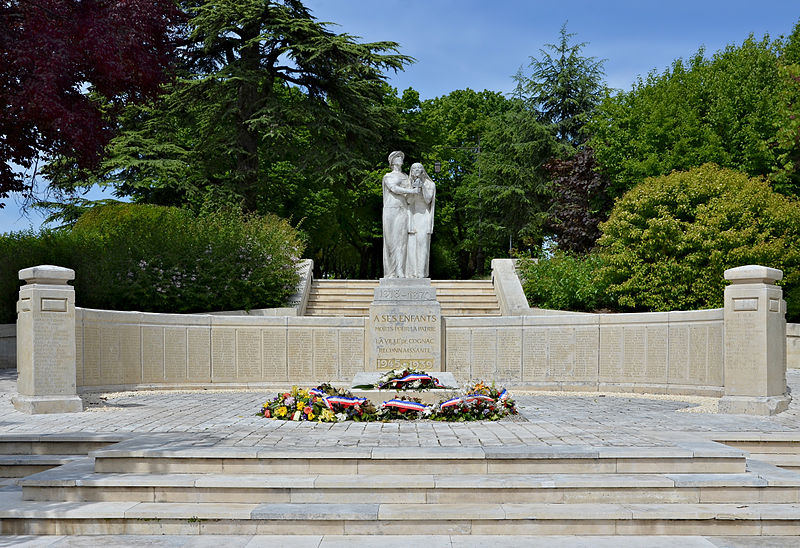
(404, 329)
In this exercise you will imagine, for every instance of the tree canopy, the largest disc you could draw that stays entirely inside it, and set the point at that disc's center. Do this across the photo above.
(724, 109)
(66, 68)
(564, 87)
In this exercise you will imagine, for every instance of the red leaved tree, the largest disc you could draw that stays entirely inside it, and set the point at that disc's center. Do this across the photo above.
(66, 67)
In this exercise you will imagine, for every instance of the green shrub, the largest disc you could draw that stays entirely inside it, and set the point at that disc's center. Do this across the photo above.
(563, 282)
(669, 239)
(160, 259)
(20, 250)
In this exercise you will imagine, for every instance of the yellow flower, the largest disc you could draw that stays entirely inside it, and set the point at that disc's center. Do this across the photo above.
(281, 411)
(311, 416)
(327, 415)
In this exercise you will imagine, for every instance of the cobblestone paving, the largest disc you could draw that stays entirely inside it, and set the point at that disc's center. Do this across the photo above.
(228, 418)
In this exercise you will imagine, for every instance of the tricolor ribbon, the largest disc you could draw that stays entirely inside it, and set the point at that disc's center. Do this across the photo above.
(406, 405)
(474, 397)
(343, 401)
(451, 402)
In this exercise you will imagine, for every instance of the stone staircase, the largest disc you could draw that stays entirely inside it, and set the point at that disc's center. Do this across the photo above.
(353, 297)
(184, 488)
(23, 455)
(780, 449)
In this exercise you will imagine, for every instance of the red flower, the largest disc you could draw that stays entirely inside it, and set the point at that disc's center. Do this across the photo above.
(266, 413)
(307, 410)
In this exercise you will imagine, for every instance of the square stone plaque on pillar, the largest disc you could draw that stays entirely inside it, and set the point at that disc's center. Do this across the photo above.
(405, 326)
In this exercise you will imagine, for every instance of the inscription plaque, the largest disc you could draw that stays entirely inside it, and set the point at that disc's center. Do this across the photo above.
(175, 353)
(611, 354)
(509, 354)
(91, 355)
(634, 353)
(561, 348)
(405, 326)
(458, 352)
(678, 354)
(274, 339)
(698, 351)
(657, 353)
(300, 353)
(484, 353)
(153, 354)
(223, 354)
(130, 355)
(716, 351)
(110, 372)
(198, 361)
(534, 354)
(326, 354)
(351, 352)
(248, 354)
(587, 348)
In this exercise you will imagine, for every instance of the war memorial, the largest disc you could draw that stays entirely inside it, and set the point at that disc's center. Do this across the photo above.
(660, 427)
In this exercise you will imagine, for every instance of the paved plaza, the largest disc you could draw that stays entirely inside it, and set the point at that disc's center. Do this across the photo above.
(229, 418)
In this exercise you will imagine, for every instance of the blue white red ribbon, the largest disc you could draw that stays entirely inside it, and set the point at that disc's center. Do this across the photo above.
(451, 402)
(343, 401)
(472, 397)
(475, 397)
(405, 405)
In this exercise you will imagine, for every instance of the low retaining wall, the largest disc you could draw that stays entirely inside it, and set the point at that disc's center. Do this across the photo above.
(668, 352)
(8, 346)
(676, 352)
(793, 345)
(737, 352)
(128, 350)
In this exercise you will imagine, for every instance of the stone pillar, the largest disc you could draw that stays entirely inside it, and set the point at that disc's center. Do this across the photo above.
(46, 342)
(755, 342)
(404, 329)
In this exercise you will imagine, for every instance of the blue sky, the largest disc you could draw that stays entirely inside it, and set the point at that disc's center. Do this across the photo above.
(480, 44)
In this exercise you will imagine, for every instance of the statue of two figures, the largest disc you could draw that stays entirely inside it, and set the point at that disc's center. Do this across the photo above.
(408, 203)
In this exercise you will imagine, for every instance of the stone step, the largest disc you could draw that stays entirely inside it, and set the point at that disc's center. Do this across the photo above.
(353, 297)
(429, 541)
(374, 283)
(419, 460)
(367, 299)
(18, 517)
(782, 447)
(361, 312)
(55, 444)
(789, 462)
(20, 466)
(81, 483)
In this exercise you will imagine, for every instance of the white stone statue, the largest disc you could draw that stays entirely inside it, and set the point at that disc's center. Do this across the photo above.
(396, 217)
(421, 208)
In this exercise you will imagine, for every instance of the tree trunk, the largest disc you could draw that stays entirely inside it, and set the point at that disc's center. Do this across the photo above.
(246, 138)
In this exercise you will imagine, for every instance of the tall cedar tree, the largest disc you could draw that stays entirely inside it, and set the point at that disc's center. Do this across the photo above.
(60, 60)
(242, 50)
(564, 87)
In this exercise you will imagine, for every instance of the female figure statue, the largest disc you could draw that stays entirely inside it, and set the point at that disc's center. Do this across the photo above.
(421, 206)
(395, 217)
